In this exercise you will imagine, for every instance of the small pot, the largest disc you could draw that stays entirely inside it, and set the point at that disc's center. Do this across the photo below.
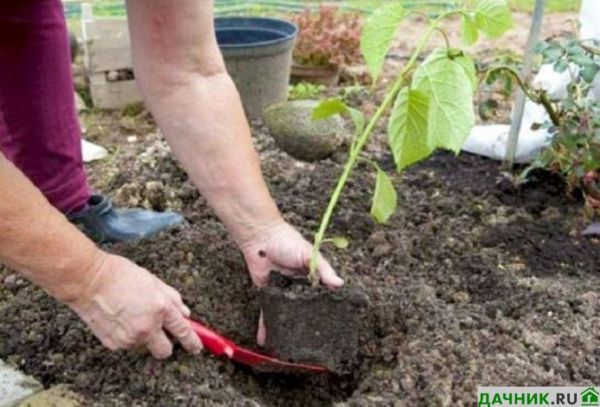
(319, 75)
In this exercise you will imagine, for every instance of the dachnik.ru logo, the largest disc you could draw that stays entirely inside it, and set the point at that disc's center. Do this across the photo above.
(538, 396)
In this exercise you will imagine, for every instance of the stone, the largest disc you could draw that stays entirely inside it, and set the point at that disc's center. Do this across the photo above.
(79, 103)
(356, 74)
(541, 341)
(296, 133)
(58, 396)
(15, 386)
(92, 152)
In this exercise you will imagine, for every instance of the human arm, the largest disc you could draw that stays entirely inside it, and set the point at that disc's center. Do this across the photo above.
(123, 304)
(182, 76)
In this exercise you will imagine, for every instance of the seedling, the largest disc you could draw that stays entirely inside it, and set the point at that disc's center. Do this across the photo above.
(432, 101)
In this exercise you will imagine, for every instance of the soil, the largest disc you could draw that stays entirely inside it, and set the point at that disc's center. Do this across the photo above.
(314, 325)
(473, 282)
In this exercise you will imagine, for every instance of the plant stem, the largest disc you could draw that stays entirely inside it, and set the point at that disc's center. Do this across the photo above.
(545, 101)
(360, 143)
(542, 98)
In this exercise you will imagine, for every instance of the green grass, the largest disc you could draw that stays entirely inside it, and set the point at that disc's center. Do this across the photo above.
(108, 8)
(552, 6)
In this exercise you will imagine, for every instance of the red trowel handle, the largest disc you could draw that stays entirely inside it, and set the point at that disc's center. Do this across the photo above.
(212, 341)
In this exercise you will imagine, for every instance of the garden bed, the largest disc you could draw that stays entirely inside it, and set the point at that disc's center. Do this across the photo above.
(471, 283)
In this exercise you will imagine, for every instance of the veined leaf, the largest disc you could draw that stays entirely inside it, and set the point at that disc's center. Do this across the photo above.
(464, 61)
(469, 31)
(340, 242)
(385, 198)
(493, 17)
(328, 108)
(450, 90)
(377, 35)
(335, 106)
(589, 72)
(407, 128)
(358, 118)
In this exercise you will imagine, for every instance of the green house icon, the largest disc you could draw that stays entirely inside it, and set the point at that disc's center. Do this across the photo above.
(589, 397)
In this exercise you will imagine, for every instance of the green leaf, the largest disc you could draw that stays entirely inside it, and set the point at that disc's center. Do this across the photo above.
(335, 106)
(385, 199)
(450, 91)
(469, 31)
(561, 65)
(377, 35)
(551, 52)
(464, 61)
(493, 17)
(340, 242)
(328, 108)
(407, 128)
(358, 118)
(589, 72)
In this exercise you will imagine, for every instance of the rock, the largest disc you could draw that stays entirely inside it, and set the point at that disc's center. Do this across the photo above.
(425, 293)
(112, 76)
(128, 123)
(156, 195)
(79, 103)
(56, 396)
(376, 239)
(296, 133)
(340, 157)
(382, 250)
(461, 297)
(92, 152)
(15, 386)
(541, 341)
(592, 230)
(551, 214)
(356, 74)
(10, 280)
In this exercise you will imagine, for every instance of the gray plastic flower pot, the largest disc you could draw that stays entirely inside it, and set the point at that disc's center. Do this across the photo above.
(258, 56)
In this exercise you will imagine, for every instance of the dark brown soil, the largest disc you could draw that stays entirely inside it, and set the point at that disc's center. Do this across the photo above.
(314, 325)
(471, 283)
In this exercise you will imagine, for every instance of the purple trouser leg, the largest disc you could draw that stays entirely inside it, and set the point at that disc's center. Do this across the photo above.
(39, 129)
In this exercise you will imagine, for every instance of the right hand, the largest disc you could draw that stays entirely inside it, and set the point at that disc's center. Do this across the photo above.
(125, 306)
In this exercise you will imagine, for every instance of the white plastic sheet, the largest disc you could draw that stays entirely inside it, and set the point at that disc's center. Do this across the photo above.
(491, 140)
(92, 152)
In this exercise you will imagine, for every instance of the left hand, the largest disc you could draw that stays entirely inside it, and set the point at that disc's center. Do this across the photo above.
(282, 248)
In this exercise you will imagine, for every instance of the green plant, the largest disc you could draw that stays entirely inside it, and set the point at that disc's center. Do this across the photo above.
(574, 122)
(432, 101)
(498, 84)
(305, 90)
(328, 37)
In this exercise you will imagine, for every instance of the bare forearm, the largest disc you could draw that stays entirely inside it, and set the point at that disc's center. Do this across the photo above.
(207, 130)
(182, 76)
(38, 241)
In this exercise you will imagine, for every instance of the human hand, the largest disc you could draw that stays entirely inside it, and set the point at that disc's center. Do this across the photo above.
(125, 306)
(282, 248)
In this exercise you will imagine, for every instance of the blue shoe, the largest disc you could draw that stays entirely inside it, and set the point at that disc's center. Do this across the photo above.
(104, 224)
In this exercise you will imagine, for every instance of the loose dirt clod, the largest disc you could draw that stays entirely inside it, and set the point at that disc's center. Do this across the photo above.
(315, 325)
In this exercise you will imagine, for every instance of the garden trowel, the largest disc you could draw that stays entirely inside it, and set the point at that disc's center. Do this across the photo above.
(219, 346)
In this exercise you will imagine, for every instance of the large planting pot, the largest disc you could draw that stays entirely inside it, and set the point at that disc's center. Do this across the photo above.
(258, 56)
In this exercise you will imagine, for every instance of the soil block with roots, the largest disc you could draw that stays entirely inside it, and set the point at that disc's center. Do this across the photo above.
(316, 325)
